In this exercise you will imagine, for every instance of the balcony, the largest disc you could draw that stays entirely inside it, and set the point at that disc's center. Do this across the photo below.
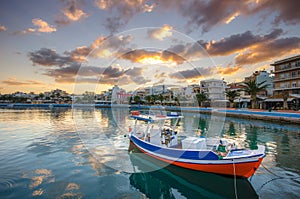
(287, 68)
(280, 79)
(287, 88)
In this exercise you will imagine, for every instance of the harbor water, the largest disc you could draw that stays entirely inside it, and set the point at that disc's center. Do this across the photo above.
(86, 153)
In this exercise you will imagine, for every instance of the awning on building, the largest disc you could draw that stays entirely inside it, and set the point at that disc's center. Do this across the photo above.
(278, 100)
(295, 95)
(241, 100)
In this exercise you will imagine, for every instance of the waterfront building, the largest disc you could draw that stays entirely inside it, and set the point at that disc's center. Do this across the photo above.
(214, 88)
(242, 101)
(119, 96)
(263, 76)
(158, 89)
(287, 75)
(19, 94)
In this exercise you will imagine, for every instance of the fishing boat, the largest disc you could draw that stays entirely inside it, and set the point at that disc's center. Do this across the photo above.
(157, 137)
(156, 181)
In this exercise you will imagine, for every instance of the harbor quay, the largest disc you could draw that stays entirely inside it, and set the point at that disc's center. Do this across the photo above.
(279, 116)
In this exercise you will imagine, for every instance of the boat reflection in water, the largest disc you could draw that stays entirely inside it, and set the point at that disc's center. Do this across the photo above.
(174, 182)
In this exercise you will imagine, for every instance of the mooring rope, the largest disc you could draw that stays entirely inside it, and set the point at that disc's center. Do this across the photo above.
(277, 178)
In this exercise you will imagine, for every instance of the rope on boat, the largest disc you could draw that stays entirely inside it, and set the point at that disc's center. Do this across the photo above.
(235, 188)
(277, 178)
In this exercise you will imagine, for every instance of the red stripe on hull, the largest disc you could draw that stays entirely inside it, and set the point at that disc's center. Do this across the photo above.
(246, 169)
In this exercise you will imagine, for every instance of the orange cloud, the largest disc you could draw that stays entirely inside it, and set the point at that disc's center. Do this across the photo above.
(27, 31)
(232, 17)
(264, 67)
(228, 70)
(2, 28)
(70, 13)
(75, 15)
(122, 11)
(161, 33)
(15, 82)
(266, 51)
(43, 26)
(153, 57)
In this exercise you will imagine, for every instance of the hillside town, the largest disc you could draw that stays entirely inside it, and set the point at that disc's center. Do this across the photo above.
(279, 89)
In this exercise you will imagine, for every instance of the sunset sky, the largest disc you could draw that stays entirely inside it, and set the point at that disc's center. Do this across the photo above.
(79, 45)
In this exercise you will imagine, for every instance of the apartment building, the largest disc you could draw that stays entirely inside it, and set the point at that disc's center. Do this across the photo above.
(263, 76)
(215, 88)
(287, 75)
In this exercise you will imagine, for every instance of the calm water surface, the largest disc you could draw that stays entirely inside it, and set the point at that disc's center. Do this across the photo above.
(83, 153)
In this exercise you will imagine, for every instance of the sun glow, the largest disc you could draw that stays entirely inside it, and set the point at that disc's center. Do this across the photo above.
(154, 60)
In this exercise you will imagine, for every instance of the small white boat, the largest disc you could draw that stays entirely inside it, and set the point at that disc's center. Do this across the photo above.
(154, 136)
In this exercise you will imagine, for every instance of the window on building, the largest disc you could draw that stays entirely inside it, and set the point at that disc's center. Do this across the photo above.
(287, 85)
(287, 75)
(293, 64)
(287, 65)
(294, 84)
(281, 76)
(298, 72)
(282, 85)
(293, 74)
(281, 66)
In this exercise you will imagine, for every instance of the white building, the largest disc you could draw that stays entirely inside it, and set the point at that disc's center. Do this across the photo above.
(264, 76)
(214, 88)
(119, 96)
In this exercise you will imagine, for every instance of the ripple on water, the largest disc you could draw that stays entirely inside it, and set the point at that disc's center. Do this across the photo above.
(6, 182)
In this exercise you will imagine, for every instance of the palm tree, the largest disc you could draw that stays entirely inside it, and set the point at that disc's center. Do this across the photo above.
(201, 97)
(253, 88)
(130, 99)
(154, 98)
(148, 98)
(285, 96)
(137, 99)
(231, 95)
(176, 99)
(160, 98)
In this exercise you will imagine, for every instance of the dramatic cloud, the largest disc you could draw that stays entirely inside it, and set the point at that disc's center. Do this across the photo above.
(69, 73)
(101, 47)
(79, 54)
(122, 11)
(288, 11)
(269, 50)
(189, 51)
(113, 71)
(76, 73)
(136, 75)
(110, 46)
(238, 42)
(228, 70)
(71, 12)
(43, 26)
(15, 82)
(207, 14)
(250, 48)
(48, 57)
(192, 73)
(201, 14)
(2, 28)
(153, 57)
(160, 33)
